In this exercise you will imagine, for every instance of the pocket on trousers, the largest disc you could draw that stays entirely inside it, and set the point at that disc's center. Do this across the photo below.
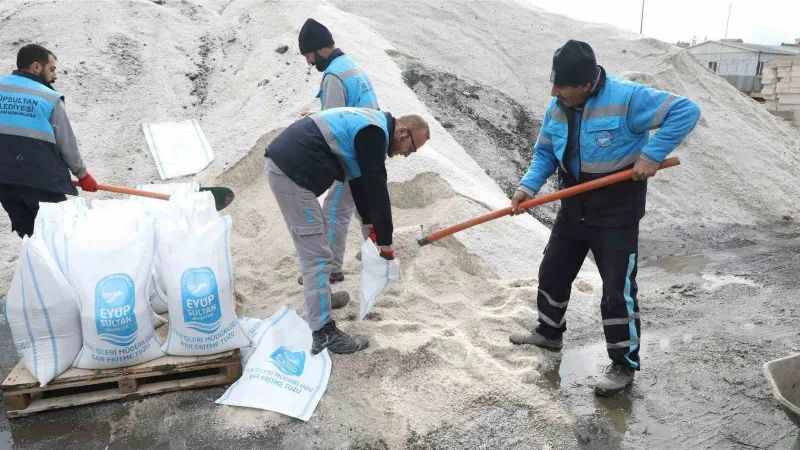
(308, 230)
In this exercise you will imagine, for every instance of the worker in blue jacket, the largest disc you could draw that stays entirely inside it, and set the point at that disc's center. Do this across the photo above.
(597, 125)
(343, 84)
(38, 149)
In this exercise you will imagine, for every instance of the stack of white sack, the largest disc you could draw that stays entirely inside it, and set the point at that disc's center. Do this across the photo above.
(89, 283)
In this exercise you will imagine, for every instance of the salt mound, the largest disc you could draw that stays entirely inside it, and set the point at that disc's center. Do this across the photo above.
(738, 166)
(215, 61)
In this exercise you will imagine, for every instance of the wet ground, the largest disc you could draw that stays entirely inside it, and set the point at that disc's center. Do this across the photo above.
(716, 305)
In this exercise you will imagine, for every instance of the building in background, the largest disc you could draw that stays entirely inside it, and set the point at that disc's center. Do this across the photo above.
(738, 62)
(781, 91)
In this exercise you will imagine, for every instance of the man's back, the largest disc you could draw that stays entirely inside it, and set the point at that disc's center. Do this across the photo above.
(345, 84)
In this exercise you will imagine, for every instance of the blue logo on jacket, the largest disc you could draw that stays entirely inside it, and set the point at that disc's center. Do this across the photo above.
(604, 138)
(288, 362)
(114, 299)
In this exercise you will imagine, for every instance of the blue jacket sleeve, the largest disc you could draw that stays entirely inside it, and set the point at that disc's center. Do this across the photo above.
(544, 161)
(674, 117)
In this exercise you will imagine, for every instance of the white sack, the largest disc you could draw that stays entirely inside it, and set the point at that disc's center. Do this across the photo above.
(52, 220)
(198, 273)
(41, 309)
(185, 201)
(201, 205)
(282, 376)
(254, 329)
(111, 273)
(157, 297)
(156, 320)
(376, 275)
(178, 148)
(161, 209)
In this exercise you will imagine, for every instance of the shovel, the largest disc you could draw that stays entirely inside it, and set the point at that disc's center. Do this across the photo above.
(222, 195)
(558, 195)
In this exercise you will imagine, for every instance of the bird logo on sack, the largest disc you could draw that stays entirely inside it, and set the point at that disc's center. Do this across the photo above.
(289, 362)
(114, 299)
(604, 138)
(200, 298)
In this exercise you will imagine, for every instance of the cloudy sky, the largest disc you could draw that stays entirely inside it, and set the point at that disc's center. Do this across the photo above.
(756, 21)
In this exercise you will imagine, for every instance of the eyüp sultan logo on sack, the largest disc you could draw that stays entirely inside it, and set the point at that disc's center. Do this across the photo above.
(288, 362)
(114, 299)
(201, 309)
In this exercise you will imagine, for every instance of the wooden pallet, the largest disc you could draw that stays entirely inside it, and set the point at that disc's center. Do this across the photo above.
(23, 396)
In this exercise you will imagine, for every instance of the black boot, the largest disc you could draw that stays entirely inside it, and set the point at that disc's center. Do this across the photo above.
(339, 299)
(617, 377)
(336, 340)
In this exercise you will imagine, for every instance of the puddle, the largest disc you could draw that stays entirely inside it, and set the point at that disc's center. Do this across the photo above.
(605, 418)
(6, 440)
(688, 264)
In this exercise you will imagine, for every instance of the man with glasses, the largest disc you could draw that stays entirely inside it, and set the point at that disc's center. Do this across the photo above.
(345, 144)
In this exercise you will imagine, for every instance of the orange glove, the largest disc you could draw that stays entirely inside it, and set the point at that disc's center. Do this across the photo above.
(88, 183)
(371, 233)
(387, 254)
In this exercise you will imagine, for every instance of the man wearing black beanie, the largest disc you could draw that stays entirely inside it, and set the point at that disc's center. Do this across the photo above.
(343, 84)
(597, 125)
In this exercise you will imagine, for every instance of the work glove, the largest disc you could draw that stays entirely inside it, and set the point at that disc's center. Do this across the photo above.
(387, 254)
(370, 232)
(88, 183)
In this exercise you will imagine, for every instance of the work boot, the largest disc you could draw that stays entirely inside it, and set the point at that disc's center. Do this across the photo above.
(534, 338)
(336, 340)
(618, 376)
(335, 278)
(339, 299)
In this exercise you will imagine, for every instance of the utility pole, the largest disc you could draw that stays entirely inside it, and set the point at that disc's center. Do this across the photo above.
(719, 60)
(641, 23)
(728, 21)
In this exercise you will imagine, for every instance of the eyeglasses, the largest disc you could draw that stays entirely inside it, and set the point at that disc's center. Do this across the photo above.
(413, 144)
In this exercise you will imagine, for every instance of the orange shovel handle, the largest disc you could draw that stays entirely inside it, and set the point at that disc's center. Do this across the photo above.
(129, 191)
(558, 195)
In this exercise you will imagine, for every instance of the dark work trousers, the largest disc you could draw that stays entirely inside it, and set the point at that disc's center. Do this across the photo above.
(22, 204)
(615, 252)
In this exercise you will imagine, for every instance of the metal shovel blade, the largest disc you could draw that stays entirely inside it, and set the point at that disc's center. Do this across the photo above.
(222, 196)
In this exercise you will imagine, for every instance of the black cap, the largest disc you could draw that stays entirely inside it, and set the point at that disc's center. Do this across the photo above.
(314, 36)
(573, 64)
